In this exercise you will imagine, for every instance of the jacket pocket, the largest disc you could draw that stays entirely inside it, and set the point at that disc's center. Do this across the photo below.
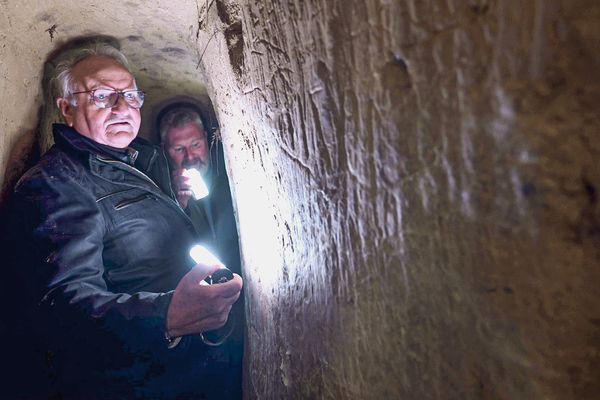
(126, 203)
(106, 196)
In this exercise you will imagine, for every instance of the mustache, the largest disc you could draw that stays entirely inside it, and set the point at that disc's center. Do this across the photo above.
(193, 163)
(118, 119)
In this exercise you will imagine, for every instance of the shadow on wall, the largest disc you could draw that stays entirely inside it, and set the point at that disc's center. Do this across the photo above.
(22, 156)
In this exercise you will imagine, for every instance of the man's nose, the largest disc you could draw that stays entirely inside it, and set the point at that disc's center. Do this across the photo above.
(121, 106)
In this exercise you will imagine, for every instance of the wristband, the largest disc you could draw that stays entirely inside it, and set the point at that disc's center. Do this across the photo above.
(172, 342)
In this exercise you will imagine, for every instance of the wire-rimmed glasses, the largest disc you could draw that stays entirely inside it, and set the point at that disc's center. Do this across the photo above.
(107, 98)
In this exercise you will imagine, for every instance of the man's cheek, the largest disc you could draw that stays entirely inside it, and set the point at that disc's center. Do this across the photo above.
(175, 159)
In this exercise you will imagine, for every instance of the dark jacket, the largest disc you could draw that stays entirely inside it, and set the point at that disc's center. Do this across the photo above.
(96, 248)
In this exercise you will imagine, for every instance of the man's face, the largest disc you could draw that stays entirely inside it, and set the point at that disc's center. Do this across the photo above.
(116, 126)
(187, 147)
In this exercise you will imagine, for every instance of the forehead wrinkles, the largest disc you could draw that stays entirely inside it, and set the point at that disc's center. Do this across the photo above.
(95, 72)
(185, 140)
(121, 83)
(104, 80)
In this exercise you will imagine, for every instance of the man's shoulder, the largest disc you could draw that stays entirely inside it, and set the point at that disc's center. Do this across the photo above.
(55, 165)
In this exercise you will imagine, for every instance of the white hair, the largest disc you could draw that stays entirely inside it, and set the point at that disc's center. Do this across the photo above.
(63, 73)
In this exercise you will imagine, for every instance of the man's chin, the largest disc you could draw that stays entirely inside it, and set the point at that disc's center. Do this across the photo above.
(120, 138)
(191, 166)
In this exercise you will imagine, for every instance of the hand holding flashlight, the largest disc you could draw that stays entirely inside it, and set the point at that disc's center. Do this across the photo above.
(201, 255)
(195, 307)
(188, 183)
(181, 187)
(196, 182)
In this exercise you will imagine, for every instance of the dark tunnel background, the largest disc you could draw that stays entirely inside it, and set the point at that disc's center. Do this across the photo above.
(415, 182)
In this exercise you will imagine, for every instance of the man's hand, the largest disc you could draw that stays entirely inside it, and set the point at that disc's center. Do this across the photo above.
(197, 307)
(181, 187)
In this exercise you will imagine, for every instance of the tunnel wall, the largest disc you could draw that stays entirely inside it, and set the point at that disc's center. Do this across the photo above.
(417, 189)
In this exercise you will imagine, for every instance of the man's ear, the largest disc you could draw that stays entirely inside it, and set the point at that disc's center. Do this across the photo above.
(66, 109)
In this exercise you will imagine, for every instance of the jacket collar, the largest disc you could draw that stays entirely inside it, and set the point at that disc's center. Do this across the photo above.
(69, 137)
(148, 160)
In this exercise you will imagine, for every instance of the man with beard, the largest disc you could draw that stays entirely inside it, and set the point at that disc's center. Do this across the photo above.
(105, 302)
(188, 145)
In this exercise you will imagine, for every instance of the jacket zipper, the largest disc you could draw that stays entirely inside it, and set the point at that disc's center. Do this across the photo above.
(99, 199)
(128, 167)
(127, 203)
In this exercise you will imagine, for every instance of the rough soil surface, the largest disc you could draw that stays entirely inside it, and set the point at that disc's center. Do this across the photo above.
(416, 182)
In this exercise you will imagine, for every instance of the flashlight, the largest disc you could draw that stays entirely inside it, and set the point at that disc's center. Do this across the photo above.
(197, 184)
(200, 254)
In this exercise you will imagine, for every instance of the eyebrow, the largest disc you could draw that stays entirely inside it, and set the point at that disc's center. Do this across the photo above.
(100, 87)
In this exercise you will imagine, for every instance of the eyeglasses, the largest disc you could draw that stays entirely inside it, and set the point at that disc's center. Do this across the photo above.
(107, 98)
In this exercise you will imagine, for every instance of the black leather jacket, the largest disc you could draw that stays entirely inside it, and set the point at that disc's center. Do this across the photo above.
(98, 246)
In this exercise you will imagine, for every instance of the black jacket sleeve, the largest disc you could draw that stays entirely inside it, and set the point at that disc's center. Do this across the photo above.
(59, 258)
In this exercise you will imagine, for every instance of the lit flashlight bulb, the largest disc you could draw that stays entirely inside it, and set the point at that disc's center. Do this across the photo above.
(201, 255)
(197, 184)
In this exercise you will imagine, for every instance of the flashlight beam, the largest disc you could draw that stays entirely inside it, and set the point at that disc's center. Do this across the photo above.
(201, 255)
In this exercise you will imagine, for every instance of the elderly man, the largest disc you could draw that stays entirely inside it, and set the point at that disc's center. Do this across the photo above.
(113, 306)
